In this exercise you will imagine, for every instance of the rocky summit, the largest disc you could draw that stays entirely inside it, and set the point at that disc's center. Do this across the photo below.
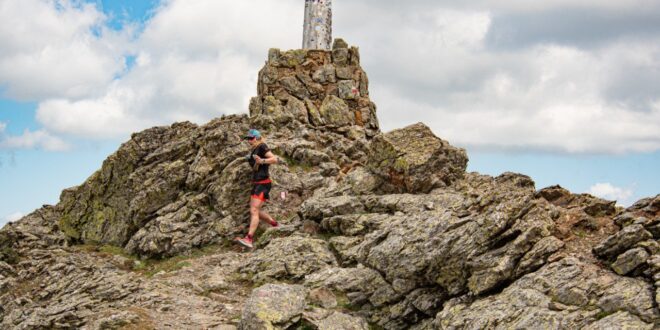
(378, 230)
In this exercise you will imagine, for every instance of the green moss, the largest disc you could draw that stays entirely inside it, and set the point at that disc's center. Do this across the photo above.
(294, 164)
(401, 165)
(113, 250)
(579, 233)
(9, 256)
(603, 314)
(150, 267)
(344, 303)
(68, 227)
(295, 57)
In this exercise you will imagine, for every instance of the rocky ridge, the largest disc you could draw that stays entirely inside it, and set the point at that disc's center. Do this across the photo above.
(378, 230)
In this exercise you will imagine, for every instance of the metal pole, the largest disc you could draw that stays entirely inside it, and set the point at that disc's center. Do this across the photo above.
(317, 29)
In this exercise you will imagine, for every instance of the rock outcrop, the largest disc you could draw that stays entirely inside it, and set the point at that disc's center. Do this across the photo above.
(377, 230)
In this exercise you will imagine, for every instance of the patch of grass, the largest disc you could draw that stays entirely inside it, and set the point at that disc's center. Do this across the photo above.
(344, 303)
(603, 314)
(113, 250)
(579, 233)
(9, 256)
(150, 267)
(294, 164)
(373, 326)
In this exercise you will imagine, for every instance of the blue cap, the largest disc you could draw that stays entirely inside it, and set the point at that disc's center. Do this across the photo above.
(253, 133)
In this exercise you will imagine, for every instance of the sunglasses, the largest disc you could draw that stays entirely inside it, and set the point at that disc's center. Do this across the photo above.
(249, 138)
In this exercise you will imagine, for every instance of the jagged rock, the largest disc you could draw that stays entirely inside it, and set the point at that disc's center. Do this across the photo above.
(342, 321)
(339, 43)
(340, 56)
(592, 206)
(178, 228)
(621, 241)
(651, 246)
(539, 254)
(362, 284)
(413, 159)
(542, 300)
(335, 112)
(348, 90)
(322, 297)
(118, 321)
(443, 246)
(292, 58)
(298, 109)
(619, 320)
(555, 194)
(628, 261)
(325, 74)
(409, 239)
(76, 286)
(344, 72)
(295, 87)
(291, 258)
(273, 306)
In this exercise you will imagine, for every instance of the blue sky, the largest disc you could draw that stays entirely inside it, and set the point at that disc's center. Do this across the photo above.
(566, 93)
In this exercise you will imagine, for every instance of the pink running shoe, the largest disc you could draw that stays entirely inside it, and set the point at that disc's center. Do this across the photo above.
(246, 241)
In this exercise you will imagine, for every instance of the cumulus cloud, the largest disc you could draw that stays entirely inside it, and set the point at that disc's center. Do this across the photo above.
(611, 192)
(56, 48)
(549, 95)
(511, 74)
(39, 139)
(194, 61)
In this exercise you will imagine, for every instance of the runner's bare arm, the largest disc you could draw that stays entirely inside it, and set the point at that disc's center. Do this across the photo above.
(269, 159)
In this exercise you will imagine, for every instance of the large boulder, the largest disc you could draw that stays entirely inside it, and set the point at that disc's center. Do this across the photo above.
(413, 159)
(568, 294)
(273, 306)
(289, 258)
(445, 238)
(621, 241)
(339, 320)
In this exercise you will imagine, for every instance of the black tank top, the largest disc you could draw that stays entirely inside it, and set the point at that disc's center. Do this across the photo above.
(261, 172)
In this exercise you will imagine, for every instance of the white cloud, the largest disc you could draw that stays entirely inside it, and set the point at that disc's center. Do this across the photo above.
(611, 192)
(39, 139)
(428, 61)
(549, 97)
(29, 139)
(194, 61)
(56, 48)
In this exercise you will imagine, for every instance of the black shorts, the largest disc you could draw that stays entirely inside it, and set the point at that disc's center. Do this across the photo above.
(261, 191)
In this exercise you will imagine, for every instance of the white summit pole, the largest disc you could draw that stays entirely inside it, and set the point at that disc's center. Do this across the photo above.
(317, 31)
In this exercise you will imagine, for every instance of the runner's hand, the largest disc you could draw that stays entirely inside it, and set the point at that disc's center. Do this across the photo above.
(257, 159)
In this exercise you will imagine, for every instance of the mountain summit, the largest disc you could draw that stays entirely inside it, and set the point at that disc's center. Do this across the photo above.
(378, 230)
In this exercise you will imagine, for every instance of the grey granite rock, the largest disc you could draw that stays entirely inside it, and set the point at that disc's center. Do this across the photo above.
(273, 306)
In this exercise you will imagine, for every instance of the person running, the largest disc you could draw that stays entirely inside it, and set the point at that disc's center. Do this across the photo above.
(259, 158)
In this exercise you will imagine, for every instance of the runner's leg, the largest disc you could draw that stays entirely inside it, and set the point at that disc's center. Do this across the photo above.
(255, 207)
(266, 217)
